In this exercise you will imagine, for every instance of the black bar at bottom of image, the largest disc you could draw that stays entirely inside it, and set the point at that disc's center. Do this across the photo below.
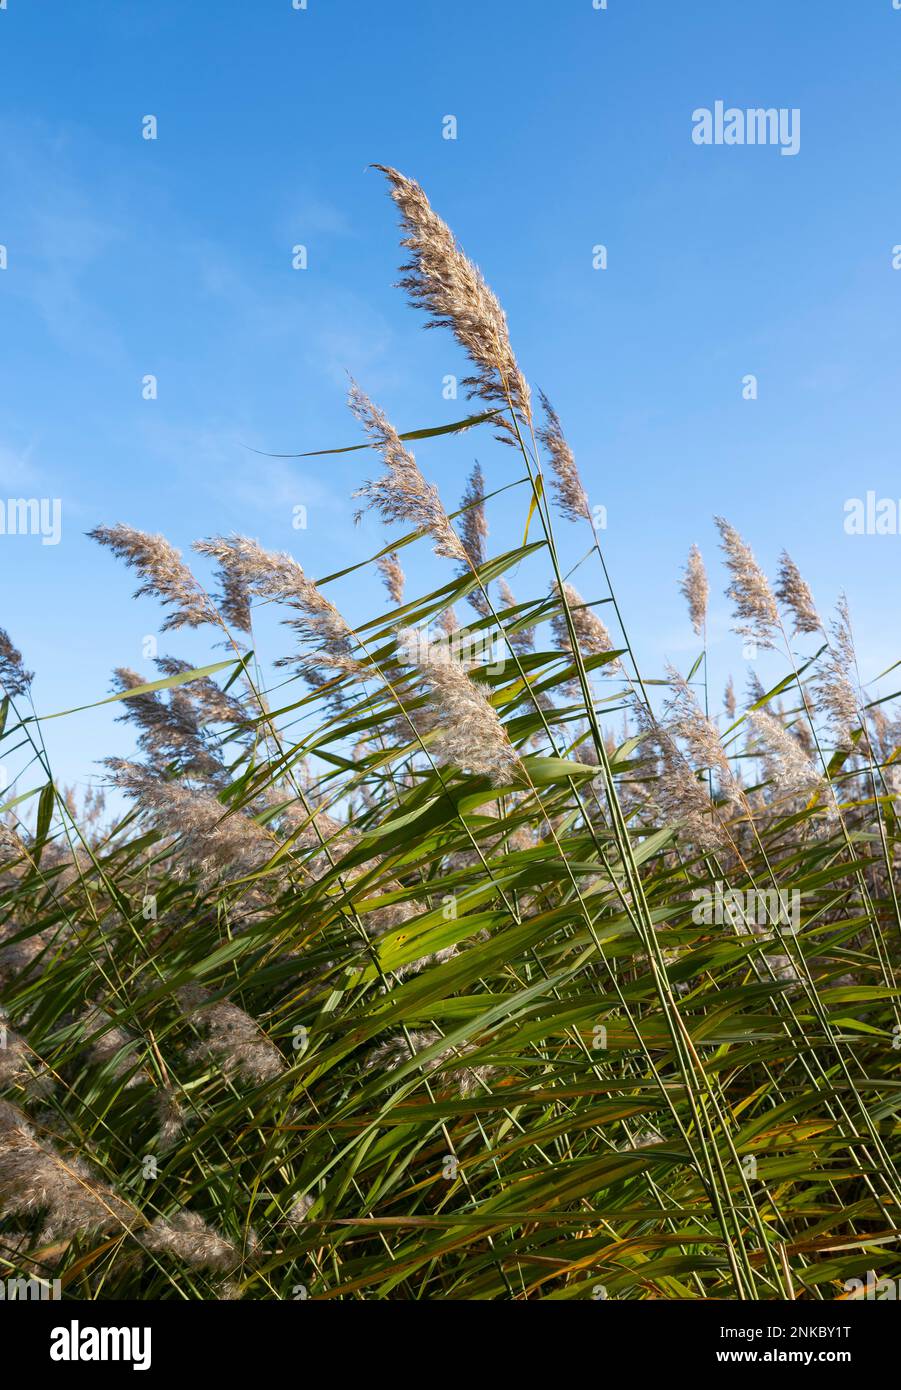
(90, 1339)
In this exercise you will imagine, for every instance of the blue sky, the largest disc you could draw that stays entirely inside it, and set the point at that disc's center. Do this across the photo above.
(173, 257)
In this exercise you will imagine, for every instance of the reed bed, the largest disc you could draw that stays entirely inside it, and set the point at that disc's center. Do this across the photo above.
(452, 955)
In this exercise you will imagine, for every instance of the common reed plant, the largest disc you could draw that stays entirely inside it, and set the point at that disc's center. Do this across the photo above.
(451, 954)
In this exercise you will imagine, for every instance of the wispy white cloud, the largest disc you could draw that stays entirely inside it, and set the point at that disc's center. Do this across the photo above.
(57, 234)
(326, 328)
(17, 471)
(311, 215)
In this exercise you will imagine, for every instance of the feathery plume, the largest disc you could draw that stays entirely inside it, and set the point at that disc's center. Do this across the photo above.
(695, 589)
(165, 574)
(215, 704)
(170, 1117)
(14, 679)
(19, 1064)
(521, 640)
(233, 603)
(168, 731)
(465, 725)
(786, 765)
(676, 793)
(233, 599)
(311, 829)
(571, 496)
(9, 841)
(729, 704)
(402, 493)
(592, 634)
(755, 690)
(396, 1052)
(685, 720)
(300, 1209)
(587, 754)
(473, 533)
(218, 843)
(87, 813)
(13, 1055)
(234, 1039)
(473, 524)
(442, 280)
(508, 598)
(394, 577)
(800, 731)
(275, 575)
(679, 797)
(188, 1237)
(792, 590)
(835, 693)
(35, 1177)
(110, 1045)
(881, 731)
(646, 1139)
(750, 592)
(448, 622)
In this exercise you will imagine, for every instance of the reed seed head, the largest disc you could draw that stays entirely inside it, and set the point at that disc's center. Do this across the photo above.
(834, 686)
(755, 607)
(522, 640)
(793, 590)
(14, 679)
(233, 1039)
(440, 279)
(464, 726)
(188, 1238)
(591, 632)
(36, 1177)
(165, 575)
(786, 765)
(474, 533)
(695, 589)
(402, 493)
(393, 575)
(215, 842)
(571, 495)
